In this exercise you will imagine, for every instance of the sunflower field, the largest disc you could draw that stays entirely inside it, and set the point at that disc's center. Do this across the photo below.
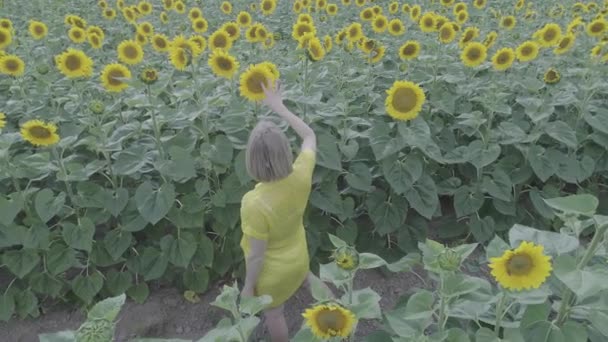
(123, 125)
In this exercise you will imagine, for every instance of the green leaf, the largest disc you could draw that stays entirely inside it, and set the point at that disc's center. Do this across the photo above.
(574, 332)
(336, 241)
(481, 155)
(153, 204)
(539, 204)
(79, 237)
(467, 201)
(584, 283)
(118, 283)
(369, 260)
(496, 248)
(327, 198)
(181, 250)
(405, 264)
(107, 309)
(387, 217)
(585, 204)
(62, 336)
(486, 335)
(598, 122)
(37, 237)
(366, 304)
(86, 287)
(423, 196)
(319, 290)
(129, 161)
(534, 296)
(7, 306)
(116, 242)
(181, 167)
(221, 151)
(240, 168)
(196, 280)
(12, 235)
(562, 132)
(359, 177)
(482, 229)
(499, 185)
(327, 152)
(544, 167)
(383, 145)
(47, 204)
(227, 299)
(139, 292)
(153, 263)
(45, 284)
(60, 258)
(457, 335)
(20, 262)
(553, 243)
(115, 202)
(254, 305)
(9, 208)
(402, 174)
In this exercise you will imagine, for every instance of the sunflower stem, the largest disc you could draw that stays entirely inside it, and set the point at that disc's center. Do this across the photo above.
(156, 127)
(442, 305)
(568, 296)
(500, 312)
(63, 170)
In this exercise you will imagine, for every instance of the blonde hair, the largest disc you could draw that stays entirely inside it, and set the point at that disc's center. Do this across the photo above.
(268, 157)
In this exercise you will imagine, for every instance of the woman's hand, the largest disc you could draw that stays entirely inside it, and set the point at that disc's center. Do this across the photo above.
(274, 95)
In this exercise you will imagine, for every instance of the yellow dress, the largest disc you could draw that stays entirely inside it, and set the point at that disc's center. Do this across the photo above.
(273, 212)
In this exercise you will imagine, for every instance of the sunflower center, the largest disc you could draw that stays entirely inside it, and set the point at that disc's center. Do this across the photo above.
(114, 77)
(549, 35)
(428, 22)
(224, 63)
(564, 43)
(526, 50)
(130, 52)
(551, 75)
(40, 132)
(380, 23)
(11, 65)
(231, 30)
(267, 6)
(597, 27)
(38, 29)
(200, 25)
(409, 50)
(404, 100)
(474, 54)
(3, 37)
(520, 264)
(330, 321)
(396, 27)
(77, 34)
(503, 58)
(446, 33)
(367, 14)
(353, 32)
(303, 29)
(243, 19)
(161, 43)
(254, 82)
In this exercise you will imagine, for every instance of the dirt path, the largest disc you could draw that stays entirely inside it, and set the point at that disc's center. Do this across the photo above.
(166, 314)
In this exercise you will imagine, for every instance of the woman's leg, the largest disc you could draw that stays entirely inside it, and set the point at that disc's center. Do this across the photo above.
(276, 324)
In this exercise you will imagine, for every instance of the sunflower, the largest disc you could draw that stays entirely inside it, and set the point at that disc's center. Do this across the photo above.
(377, 10)
(520, 4)
(39, 133)
(315, 49)
(427, 22)
(360, 3)
(525, 267)
(474, 54)
(508, 22)
(164, 17)
(597, 27)
(269, 42)
(346, 2)
(180, 57)
(261, 32)
(272, 68)
(95, 30)
(462, 17)
(243, 19)
(233, 30)
(38, 29)
(409, 50)
(447, 3)
(354, 32)
(145, 28)
(199, 43)
(549, 35)
(340, 37)
(574, 25)
(252, 79)
(167, 4)
(6, 24)
(527, 51)
(149, 76)
(223, 64)
(129, 15)
(300, 28)
(95, 41)
(396, 27)
(380, 24)
(200, 25)
(377, 54)
(551, 76)
(459, 7)
(79, 22)
(332, 9)
(2, 120)
(415, 13)
(304, 40)
(74, 64)
(144, 7)
(406, 8)
(130, 52)
(321, 4)
(305, 18)
(503, 59)
(195, 13)
(160, 42)
(253, 7)
(226, 7)
(393, 8)
(367, 14)
(447, 33)
(113, 77)
(297, 7)
(141, 38)
(404, 100)
(12, 65)
(480, 4)
(268, 6)
(6, 38)
(468, 35)
(330, 320)
(250, 34)
(565, 44)
(109, 13)
(77, 35)
(490, 39)
(596, 51)
(327, 43)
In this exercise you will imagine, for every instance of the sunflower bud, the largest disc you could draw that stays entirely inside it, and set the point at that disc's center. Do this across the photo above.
(449, 260)
(323, 19)
(403, 67)
(149, 76)
(346, 257)
(97, 330)
(96, 107)
(42, 69)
